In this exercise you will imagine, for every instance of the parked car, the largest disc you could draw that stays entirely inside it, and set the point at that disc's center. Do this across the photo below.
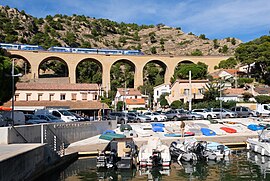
(63, 114)
(121, 117)
(50, 118)
(2, 121)
(155, 116)
(176, 114)
(193, 115)
(140, 117)
(33, 119)
(225, 113)
(80, 118)
(244, 111)
(19, 118)
(207, 114)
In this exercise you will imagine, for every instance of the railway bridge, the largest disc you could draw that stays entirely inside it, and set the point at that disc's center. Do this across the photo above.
(36, 58)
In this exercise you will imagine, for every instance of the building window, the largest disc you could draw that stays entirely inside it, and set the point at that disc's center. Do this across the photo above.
(16, 98)
(28, 97)
(62, 97)
(186, 92)
(84, 96)
(51, 96)
(74, 97)
(200, 91)
(40, 97)
(95, 97)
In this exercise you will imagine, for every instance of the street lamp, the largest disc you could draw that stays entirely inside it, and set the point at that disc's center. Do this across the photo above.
(13, 85)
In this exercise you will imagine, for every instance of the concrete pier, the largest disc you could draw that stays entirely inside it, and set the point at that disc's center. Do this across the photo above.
(28, 151)
(91, 145)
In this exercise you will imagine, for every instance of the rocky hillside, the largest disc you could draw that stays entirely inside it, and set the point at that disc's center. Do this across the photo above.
(81, 31)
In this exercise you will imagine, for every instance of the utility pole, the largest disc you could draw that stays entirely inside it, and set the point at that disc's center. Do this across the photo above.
(220, 100)
(12, 101)
(125, 106)
(190, 93)
(13, 89)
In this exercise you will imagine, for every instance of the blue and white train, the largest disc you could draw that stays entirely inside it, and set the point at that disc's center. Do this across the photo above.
(95, 51)
(69, 49)
(20, 47)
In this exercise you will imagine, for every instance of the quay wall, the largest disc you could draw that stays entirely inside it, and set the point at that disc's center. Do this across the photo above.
(24, 166)
(65, 133)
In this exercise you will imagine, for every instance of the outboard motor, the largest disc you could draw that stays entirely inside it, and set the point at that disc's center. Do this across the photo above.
(112, 160)
(199, 150)
(156, 159)
(221, 148)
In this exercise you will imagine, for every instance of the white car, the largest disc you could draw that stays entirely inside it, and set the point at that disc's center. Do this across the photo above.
(155, 116)
(207, 114)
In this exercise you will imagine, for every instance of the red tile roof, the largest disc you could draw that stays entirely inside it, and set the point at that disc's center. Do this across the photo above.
(135, 101)
(129, 92)
(192, 81)
(73, 105)
(231, 71)
(236, 91)
(53, 86)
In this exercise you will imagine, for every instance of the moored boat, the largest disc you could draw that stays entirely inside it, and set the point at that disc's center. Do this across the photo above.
(189, 133)
(119, 153)
(154, 153)
(261, 144)
(193, 150)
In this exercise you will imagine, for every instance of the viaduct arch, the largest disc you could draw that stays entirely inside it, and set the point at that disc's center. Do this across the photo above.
(35, 58)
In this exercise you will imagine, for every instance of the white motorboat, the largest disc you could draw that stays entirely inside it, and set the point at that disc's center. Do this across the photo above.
(261, 144)
(154, 153)
(193, 150)
(183, 151)
(217, 151)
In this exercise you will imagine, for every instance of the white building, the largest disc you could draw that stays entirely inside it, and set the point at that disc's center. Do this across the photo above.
(132, 97)
(161, 89)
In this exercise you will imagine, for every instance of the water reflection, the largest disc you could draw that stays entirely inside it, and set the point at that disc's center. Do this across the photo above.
(262, 161)
(155, 173)
(114, 175)
(241, 166)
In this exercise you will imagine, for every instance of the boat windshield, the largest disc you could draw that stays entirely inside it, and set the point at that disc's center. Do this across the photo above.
(267, 107)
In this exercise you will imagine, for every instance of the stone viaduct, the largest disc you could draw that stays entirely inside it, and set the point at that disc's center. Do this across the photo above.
(36, 58)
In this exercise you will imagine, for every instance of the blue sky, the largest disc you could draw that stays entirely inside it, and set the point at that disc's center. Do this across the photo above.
(243, 19)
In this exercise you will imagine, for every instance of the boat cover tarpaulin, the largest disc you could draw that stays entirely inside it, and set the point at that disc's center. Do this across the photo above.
(158, 124)
(157, 129)
(255, 127)
(208, 132)
(110, 136)
(228, 130)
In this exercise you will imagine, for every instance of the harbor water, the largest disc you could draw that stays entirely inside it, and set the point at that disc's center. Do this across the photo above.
(242, 165)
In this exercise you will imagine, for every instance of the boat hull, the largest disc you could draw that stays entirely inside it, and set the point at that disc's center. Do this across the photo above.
(258, 146)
